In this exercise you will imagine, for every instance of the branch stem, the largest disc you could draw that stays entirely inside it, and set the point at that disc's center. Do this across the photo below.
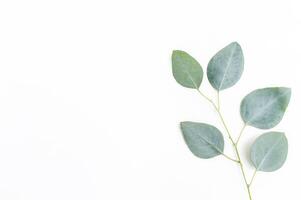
(252, 179)
(243, 172)
(218, 103)
(207, 98)
(228, 157)
(240, 133)
(220, 115)
(217, 108)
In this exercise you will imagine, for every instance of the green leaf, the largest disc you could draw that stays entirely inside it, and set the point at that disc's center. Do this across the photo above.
(203, 140)
(264, 108)
(269, 151)
(186, 70)
(226, 67)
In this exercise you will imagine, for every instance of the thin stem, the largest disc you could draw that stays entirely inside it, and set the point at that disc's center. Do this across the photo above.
(238, 157)
(225, 126)
(218, 103)
(243, 172)
(219, 114)
(249, 193)
(217, 108)
(254, 174)
(240, 133)
(228, 157)
(207, 98)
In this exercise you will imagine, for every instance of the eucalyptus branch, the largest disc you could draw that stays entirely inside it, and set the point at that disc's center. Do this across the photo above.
(219, 114)
(238, 157)
(217, 108)
(205, 140)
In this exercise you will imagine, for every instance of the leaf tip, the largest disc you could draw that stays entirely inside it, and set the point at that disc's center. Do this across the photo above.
(176, 52)
(289, 90)
(183, 124)
(235, 44)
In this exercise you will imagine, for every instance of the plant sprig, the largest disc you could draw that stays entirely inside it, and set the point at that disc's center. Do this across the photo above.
(262, 108)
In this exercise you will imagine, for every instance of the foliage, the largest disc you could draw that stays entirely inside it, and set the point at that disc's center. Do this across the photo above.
(262, 108)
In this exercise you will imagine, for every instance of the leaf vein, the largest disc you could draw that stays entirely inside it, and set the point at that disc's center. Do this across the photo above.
(266, 106)
(227, 68)
(269, 152)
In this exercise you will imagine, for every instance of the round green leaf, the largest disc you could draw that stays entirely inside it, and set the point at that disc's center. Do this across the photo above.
(203, 140)
(186, 70)
(264, 108)
(269, 151)
(226, 67)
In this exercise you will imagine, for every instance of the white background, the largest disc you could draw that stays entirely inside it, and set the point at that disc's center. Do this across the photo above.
(89, 108)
